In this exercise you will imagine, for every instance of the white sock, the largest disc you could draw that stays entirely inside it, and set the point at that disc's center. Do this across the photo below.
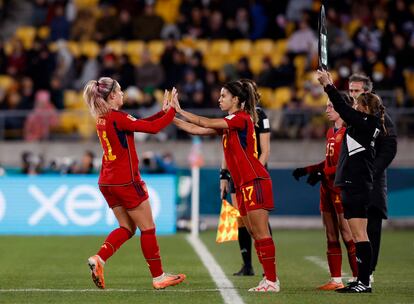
(337, 280)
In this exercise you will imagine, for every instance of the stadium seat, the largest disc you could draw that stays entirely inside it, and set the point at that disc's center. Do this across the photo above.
(263, 46)
(409, 82)
(26, 34)
(5, 82)
(220, 47)
(134, 47)
(282, 96)
(201, 45)
(117, 47)
(156, 49)
(242, 47)
(85, 3)
(89, 48)
(300, 63)
(352, 27)
(74, 48)
(168, 10)
(280, 46)
(266, 96)
(43, 32)
(256, 62)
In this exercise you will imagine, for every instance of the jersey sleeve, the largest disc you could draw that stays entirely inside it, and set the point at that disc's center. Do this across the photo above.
(263, 123)
(315, 168)
(127, 122)
(155, 116)
(235, 122)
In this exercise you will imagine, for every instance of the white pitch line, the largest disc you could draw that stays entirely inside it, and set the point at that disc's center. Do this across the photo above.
(105, 290)
(226, 287)
(323, 264)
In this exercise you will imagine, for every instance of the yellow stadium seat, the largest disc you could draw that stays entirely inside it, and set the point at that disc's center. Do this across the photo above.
(352, 27)
(300, 63)
(263, 46)
(116, 46)
(266, 96)
(214, 62)
(220, 47)
(168, 9)
(5, 82)
(73, 100)
(282, 96)
(409, 82)
(256, 63)
(242, 47)
(85, 3)
(135, 47)
(74, 48)
(201, 45)
(89, 48)
(156, 49)
(26, 34)
(43, 32)
(280, 46)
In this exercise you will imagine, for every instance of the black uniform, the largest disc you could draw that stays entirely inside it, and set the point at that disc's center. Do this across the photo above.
(354, 174)
(386, 148)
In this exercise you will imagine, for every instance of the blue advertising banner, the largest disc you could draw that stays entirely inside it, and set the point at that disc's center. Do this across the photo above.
(73, 205)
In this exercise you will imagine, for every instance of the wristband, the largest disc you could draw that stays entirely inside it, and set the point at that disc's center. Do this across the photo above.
(224, 174)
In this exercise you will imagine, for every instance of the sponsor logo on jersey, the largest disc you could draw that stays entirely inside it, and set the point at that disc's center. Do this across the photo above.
(229, 117)
(131, 117)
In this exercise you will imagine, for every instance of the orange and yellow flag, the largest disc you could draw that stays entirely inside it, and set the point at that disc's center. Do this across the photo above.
(227, 229)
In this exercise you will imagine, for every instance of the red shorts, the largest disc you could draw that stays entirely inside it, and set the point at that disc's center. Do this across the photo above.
(256, 194)
(129, 196)
(330, 201)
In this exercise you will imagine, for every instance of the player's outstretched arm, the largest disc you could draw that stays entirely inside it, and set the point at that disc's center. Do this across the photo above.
(192, 128)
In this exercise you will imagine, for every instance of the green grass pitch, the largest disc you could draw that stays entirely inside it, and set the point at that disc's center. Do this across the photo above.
(54, 270)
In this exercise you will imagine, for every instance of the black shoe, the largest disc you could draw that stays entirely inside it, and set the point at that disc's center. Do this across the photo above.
(245, 271)
(355, 287)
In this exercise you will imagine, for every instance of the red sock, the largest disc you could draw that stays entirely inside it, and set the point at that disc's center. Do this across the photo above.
(256, 245)
(267, 250)
(350, 246)
(334, 256)
(112, 243)
(151, 252)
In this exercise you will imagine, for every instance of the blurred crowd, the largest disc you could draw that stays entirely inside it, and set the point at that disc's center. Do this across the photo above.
(373, 37)
(35, 164)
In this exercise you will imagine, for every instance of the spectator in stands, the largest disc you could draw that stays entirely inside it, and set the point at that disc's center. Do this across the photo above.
(243, 68)
(188, 87)
(16, 63)
(125, 25)
(149, 75)
(42, 118)
(27, 92)
(59, 25)
(126, 71)
(32, 164)
(107, 26)
(303, 41)
(285, 73)
(85, 166)
(86, 68)
(39, 12)
(148, 25)
(83, 27)
(41, 65)
(215, 26)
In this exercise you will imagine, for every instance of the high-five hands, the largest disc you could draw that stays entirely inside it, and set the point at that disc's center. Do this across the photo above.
(171, 100)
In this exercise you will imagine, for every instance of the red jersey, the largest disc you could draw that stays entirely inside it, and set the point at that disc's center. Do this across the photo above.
(333, 149)
(240, 150)
(116, 134)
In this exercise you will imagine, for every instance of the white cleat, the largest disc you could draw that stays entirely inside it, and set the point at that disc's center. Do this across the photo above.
(266, 286)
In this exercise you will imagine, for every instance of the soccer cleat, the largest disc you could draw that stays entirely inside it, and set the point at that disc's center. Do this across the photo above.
(355, 287)
(167, 279)
(331, 285)
(266, 286)
(97, 270)
(245, 271)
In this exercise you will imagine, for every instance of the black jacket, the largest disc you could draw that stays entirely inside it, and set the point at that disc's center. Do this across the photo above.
(356, 162)
(386, 148)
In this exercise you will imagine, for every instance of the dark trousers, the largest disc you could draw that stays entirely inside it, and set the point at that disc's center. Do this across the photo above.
(374, 233)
